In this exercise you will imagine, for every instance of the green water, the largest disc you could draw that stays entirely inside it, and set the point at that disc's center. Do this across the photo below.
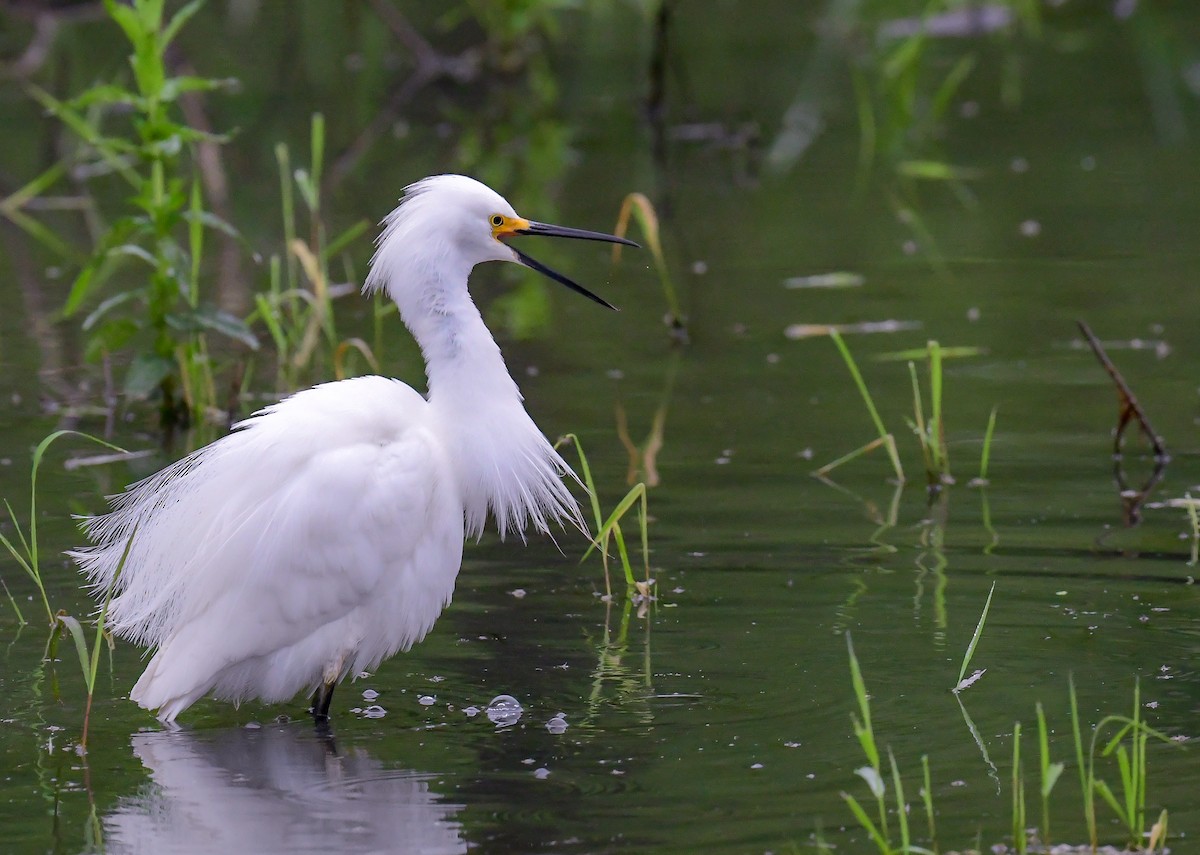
(720, 720)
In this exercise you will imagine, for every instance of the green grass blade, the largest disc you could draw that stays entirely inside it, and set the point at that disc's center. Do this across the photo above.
(76, 631)
(862, 727)
(986, 454)
(865, 821)
(852, 366)
(976, 636)
(13, 602)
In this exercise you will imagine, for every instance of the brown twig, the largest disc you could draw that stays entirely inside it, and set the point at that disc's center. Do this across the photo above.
(1129, 406)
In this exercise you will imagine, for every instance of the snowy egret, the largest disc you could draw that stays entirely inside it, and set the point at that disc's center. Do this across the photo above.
(324, 534)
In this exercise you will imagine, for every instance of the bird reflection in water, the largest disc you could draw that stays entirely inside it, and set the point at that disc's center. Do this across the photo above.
(275, 789)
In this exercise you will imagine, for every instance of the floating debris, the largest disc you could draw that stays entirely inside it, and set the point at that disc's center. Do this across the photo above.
(967, 22)
(835, 279)
(970, 680)
(800, 331)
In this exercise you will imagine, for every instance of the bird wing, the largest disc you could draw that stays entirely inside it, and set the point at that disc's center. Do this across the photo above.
(332, 499)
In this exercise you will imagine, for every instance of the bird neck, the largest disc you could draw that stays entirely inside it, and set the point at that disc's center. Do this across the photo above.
(504, 464)
(463, 363)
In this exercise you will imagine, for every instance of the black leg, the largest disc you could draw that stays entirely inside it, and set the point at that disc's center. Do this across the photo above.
(320, 702)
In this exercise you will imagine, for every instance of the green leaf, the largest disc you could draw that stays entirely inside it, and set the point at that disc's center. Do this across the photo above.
(211, 318)
(935, 170)
(132, 249)
(34, 188)
(867, 824)
(176, 86)
(1052, 773)
(148, 68)
(212, 221)
(39, 232)
(80, 644)
(341, 241)
(146, 373)
(1107, 794)
(110, 338)
(126, 18)
(151, 12)
(108, 305)
(103, 94)
(176, 23)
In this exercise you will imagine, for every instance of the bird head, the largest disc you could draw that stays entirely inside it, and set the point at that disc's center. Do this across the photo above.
(469, 223)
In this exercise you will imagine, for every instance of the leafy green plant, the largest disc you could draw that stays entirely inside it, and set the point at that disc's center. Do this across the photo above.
(1020, 842)
(609, 528)
(27, 553)
(931, 434)
(1130, 807)
(1050, 773)
(986, 453)
(1127, 746)
(885, 439)
(297, 307)
(155, 309)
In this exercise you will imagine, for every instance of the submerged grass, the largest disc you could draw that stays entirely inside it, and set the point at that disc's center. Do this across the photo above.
(927, 423)
(884, 439)
(609, 528)
(27, 553)
(297, 307)
(158, 313)
(1126, 746)
(641, 209)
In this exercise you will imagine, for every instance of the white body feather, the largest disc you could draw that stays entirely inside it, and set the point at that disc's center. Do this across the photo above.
(325, 533)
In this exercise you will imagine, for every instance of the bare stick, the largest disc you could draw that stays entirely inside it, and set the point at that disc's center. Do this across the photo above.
(1129, 406)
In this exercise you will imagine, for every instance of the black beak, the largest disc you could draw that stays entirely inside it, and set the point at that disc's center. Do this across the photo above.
(562, 231)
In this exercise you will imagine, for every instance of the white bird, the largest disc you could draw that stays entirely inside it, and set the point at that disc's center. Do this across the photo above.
(324, 534)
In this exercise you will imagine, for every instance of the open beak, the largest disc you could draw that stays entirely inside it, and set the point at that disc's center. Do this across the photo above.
(526, 227)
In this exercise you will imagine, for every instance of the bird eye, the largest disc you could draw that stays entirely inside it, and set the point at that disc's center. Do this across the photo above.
(497, 220)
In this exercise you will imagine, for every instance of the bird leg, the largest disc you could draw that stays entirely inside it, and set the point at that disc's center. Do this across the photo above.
(321, 700)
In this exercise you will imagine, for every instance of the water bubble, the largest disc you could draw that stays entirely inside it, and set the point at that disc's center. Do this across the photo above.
(541, 773)
(504, 710)
(427, 700)
(558, 724)
(374, 711)
(370, 695)
(471, 711)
